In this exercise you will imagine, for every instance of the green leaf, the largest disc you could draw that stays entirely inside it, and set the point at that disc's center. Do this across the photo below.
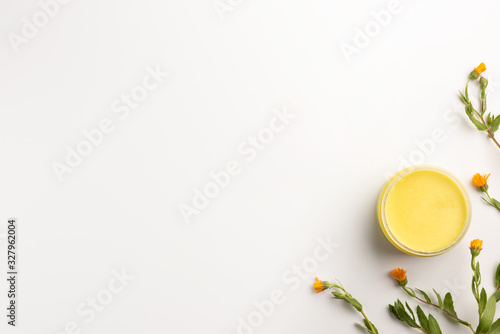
(434, 326)
(480, 126)
(448, 304)
(483, 299)
(495, 328)
(496, 295)
(354, 303)
(497, 277)
(496, 203)
(427, 299)
(487, 317)
(367, 324)
(422, 319)
(462, 97)
(464, 323)
(469, 111)
(489, 119)
(394, 312)
(366, 329)
(361, 326)
(338, 295)
(495, 124)
(440, 300)
(411, 311)
(473, 287)
(404, 316)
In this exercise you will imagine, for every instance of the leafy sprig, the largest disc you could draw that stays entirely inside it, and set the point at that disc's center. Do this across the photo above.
(426, 324)
(342, 294)
(445, 304)
(481, 182)
(486, 306)
(490, 123)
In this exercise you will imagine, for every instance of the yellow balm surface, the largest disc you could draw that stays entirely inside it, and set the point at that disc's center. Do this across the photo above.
(426, 211)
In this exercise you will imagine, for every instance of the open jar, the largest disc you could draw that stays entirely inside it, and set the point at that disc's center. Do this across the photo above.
(424, 210)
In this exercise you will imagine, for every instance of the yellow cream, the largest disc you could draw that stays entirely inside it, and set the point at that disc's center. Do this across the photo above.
(425, 211)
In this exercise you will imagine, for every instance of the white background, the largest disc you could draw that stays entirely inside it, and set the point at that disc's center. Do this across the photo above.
(355, 120)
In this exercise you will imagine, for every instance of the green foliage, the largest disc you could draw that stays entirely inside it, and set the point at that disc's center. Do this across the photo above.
(342, 294)
(448, 304)
(483, 300)
(440, 300)
(433, 325)
(427, 299)
(495, 124)
(366, 327)
(495, 328)
(490, 124)
(487, 317)
(496, 203)
(405, 314)
(400, 312)
(497, 295)
(497, 277)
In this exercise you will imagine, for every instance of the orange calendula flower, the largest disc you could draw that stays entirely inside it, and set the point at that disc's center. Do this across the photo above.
(480, 69)
(400, 276)
(477, 71)
(476, 246)
(481, 181)
(321, 285)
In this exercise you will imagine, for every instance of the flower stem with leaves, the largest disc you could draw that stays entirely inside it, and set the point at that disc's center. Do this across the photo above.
(427, 325)
(481, 298)
(481, 182)
(342, 294)
(486, 306)
(445, 305)
(491, 123)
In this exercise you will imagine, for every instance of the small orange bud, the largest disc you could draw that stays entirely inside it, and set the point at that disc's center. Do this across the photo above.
(480, 69)
(477, 71)
(476, 246)
(321, 285)
(481, 181)
(400, 276)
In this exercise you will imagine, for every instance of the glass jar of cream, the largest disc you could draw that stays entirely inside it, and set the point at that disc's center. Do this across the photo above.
(424, 210)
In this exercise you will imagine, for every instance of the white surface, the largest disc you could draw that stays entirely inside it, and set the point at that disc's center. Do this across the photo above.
(319, 177)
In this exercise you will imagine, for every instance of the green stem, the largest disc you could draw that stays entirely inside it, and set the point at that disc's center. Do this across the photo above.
(370, 326)
(476, 283)
(482, 121)
(491, 200)
(412, 294)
